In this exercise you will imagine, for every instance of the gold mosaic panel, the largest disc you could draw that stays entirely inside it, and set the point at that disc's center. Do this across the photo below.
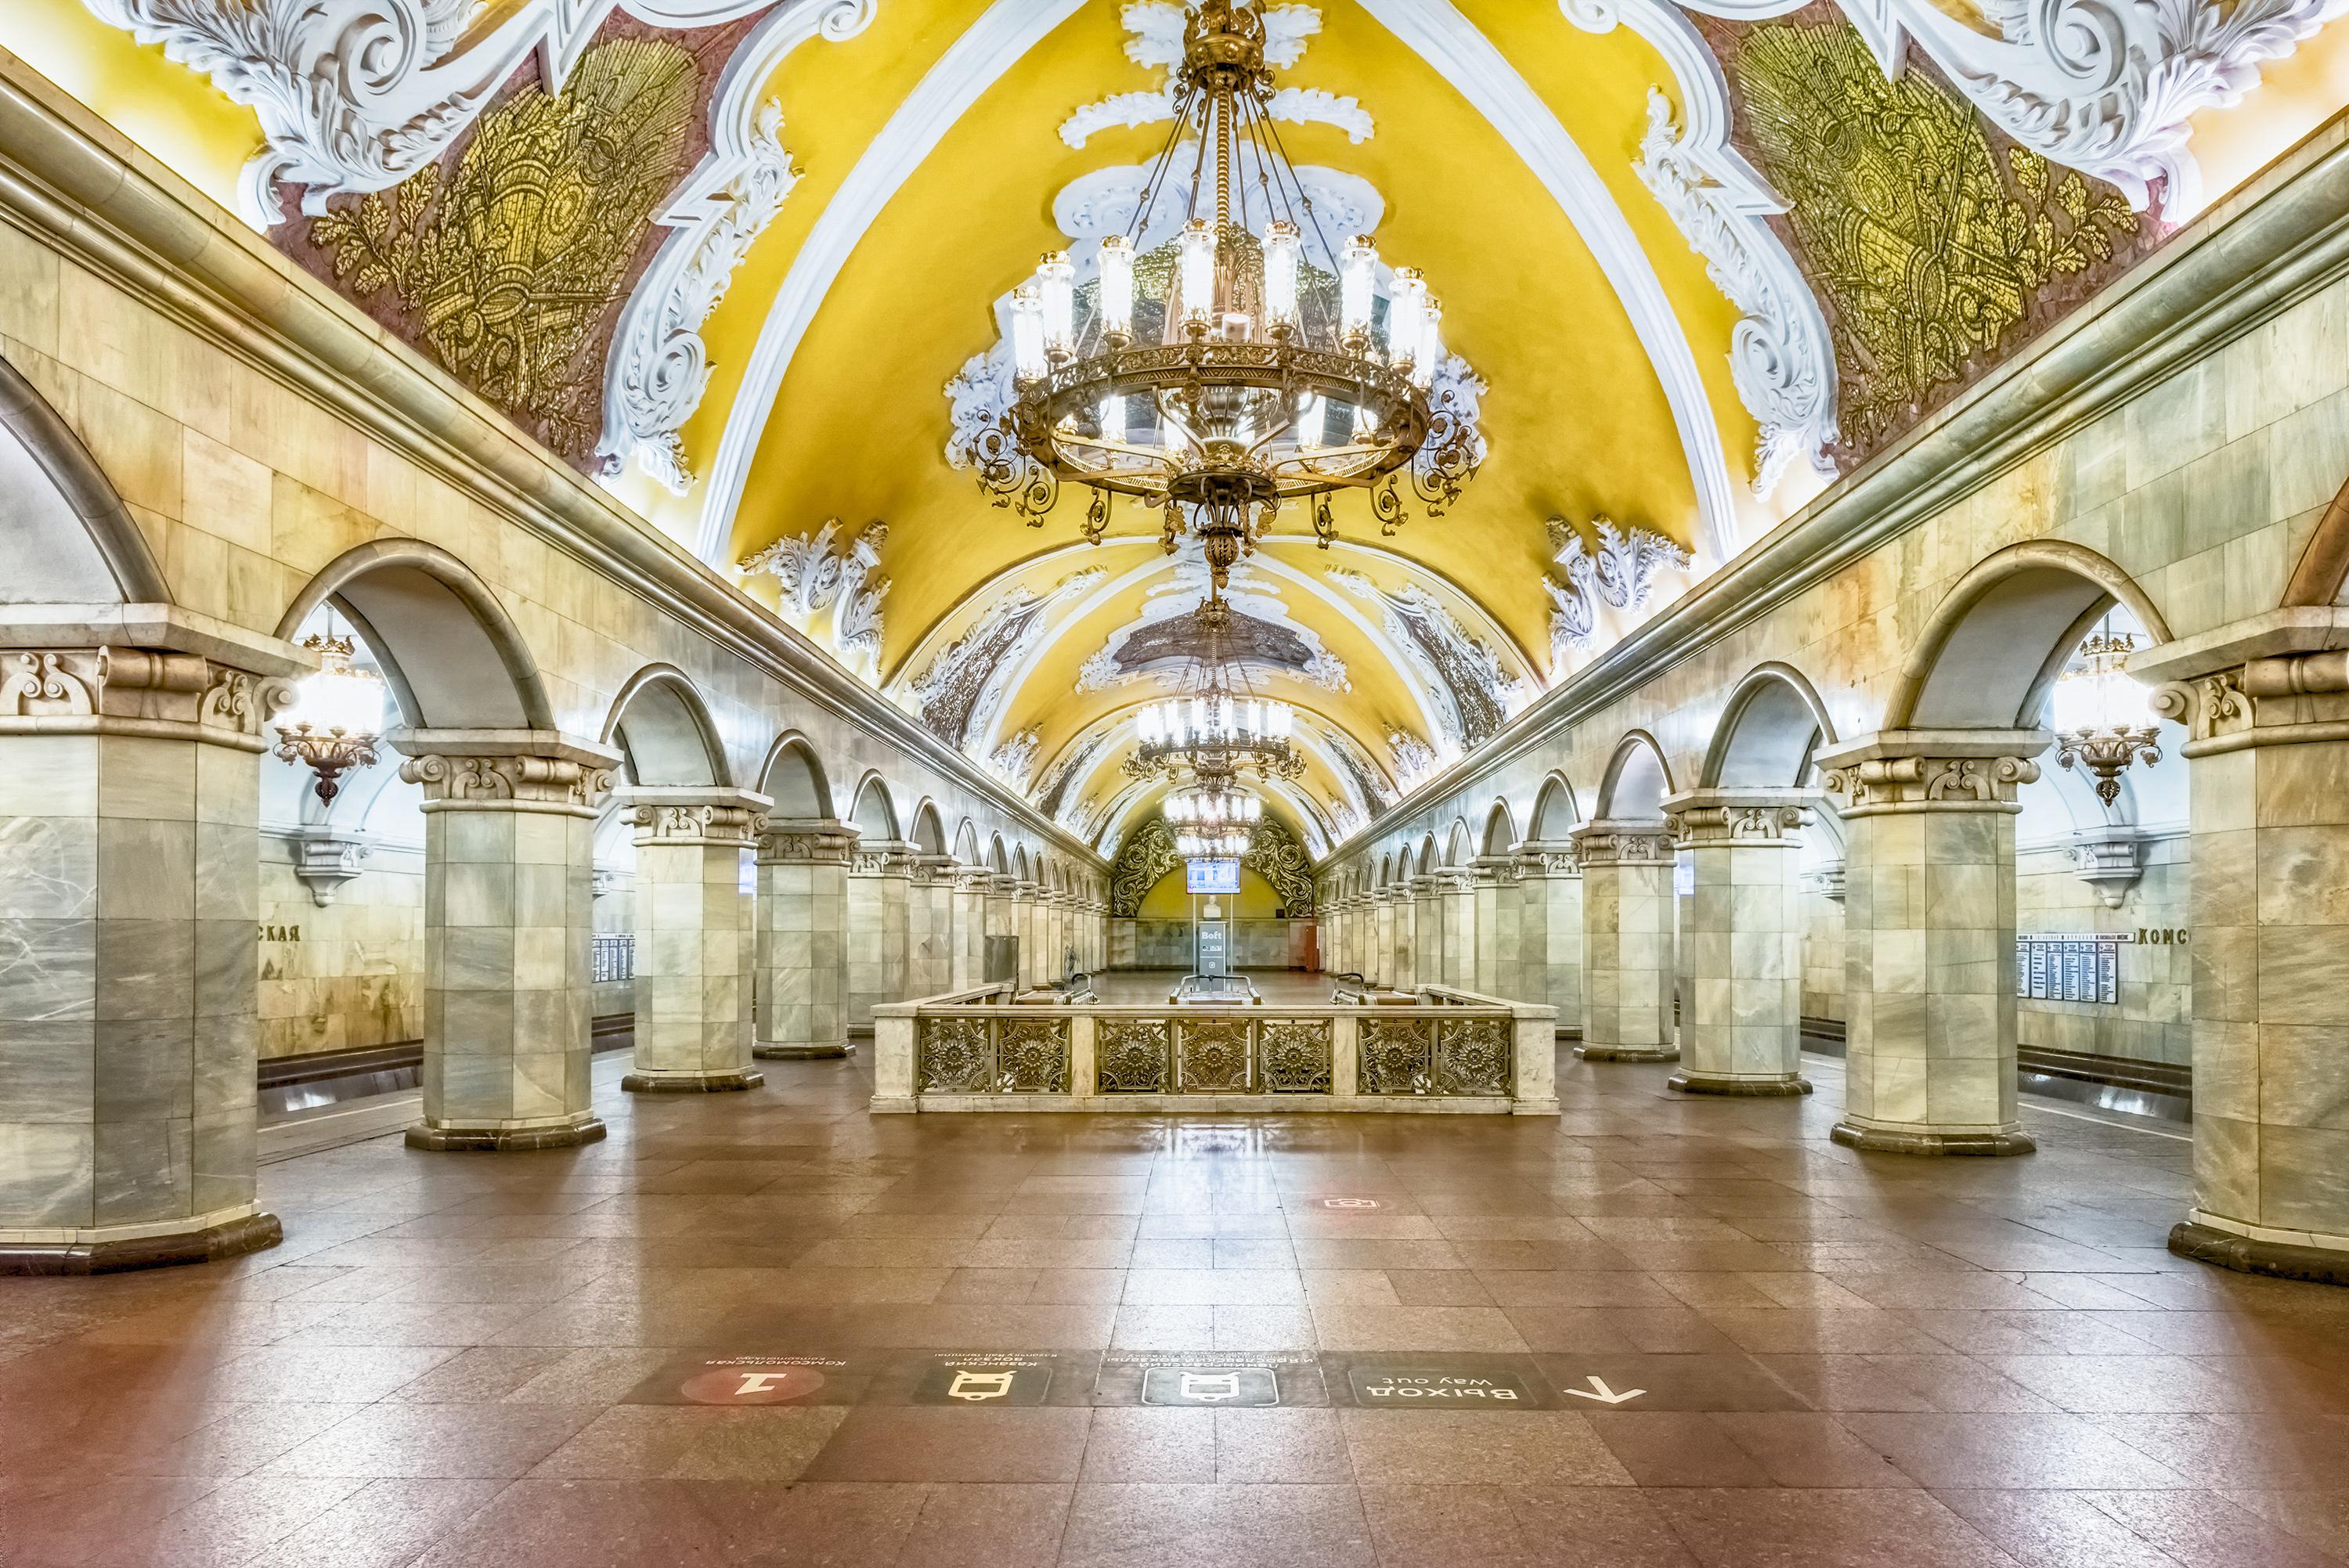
(508, 263)
(1936, 244)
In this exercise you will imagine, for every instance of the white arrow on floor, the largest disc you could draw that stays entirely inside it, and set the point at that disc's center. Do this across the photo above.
(1599, 1392)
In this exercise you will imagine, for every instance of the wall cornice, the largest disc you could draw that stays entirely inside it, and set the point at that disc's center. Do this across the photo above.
(2281, 238)
(83, 189)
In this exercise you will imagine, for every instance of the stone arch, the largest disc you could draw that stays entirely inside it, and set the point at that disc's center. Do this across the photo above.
(1773, 723)
(2323, 570)
(996, 859)
(1459, 845)
(1555, 814)
(1500, 830)
(1020, 864)
(875, 811)
(792, 777)
(929, 831)
(1386, 870)
(1637, 780)
(451, 656)
(1994, 648)
(664, 731)
(966, 845)
(64, 531)
(1427, 857)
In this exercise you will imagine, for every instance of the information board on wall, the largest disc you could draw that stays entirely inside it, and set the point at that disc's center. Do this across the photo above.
(1211, 876)
(2050, 966)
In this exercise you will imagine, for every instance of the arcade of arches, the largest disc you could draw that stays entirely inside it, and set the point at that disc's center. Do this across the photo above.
(478, 1161)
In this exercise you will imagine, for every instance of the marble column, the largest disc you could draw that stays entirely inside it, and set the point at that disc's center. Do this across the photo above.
(967, 966)
(1027, 932)
(509, 885)
(696, 937)
(1499, 930)
(802, 954)
(129, 903)
(1002, 918)
(1627, 941)
(1426, 931)
(1380, 929)
(1929, 938)
(877, 892)
(1741, 940)
(2268, 757)
(929, 926)
(1549, 934)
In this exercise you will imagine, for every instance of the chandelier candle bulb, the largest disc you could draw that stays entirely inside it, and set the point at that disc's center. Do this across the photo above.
(1117, 289)
(1430, 342)
(1028, 361)
(1056, 283)
(1197, 284)
(1281, 247)
(1406, 316)
(1358, 274)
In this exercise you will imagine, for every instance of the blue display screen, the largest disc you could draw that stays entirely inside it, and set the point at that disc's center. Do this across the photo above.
(1211, 876)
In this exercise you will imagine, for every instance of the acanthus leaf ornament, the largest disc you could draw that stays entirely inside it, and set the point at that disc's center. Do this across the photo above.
(1620, 574)
(1779, 355)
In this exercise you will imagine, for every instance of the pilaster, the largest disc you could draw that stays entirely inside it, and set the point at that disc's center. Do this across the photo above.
(1929, 937)
(695, 941)
(1549, 934)
(877, 891)
(1627, 941)
(2268, 762)
(1741, 940)
(1496, 969)
(802, 950)
(129, 903)
(969, 898)
(509, 887)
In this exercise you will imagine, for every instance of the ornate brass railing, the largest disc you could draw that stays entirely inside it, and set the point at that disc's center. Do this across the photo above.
(976, 1050)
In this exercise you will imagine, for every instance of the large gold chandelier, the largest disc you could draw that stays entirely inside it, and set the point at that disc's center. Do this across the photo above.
(1258, 370)
(1215, 733)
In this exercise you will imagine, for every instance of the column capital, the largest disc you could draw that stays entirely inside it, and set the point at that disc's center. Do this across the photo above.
(1545, 858)
(505, 770)
(1901, 770)
(882, 858)
(810, 840)
(1617, 840)
(932, 870)
(1711, 817)
(972, 879)
(1492, 870)
(696, 814)
(2289, 699)
(1426, 885)
(138, 692)
(1002, 885)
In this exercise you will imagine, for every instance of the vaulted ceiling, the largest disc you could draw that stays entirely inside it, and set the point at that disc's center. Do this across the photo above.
(781, 228)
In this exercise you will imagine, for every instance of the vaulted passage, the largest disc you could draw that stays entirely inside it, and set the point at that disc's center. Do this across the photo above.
(1067, 782)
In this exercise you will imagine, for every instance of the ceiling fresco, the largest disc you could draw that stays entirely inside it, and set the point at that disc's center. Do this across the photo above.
(747, 263)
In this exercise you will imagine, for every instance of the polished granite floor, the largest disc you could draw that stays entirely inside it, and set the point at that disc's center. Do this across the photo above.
(765, 1328)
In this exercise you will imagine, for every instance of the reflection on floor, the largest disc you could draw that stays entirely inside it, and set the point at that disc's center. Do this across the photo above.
(768, 1328)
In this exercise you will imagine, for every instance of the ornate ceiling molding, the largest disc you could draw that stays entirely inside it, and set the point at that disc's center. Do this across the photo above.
(659, 367)
(815, 578)
(1476, 691)
(1157, 42)
(961, 690)
(975, 62)
(1267, 640)
(1620, 574)
(2105, 87)
(354, 95)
